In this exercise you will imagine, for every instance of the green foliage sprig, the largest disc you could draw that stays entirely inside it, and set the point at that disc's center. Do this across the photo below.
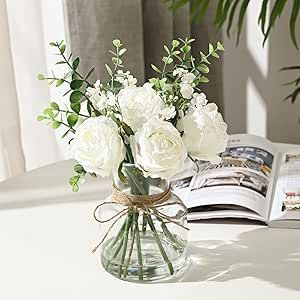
(228, 10)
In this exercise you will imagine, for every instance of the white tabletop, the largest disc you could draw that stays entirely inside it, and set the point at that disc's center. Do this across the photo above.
(45, 251)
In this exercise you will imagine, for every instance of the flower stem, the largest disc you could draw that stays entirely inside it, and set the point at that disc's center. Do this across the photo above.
(133, 231)
(139, 250)
(159, 244)
(125, 241)
(144, 226)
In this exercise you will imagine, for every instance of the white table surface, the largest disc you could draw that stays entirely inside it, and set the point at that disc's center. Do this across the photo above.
(45, 250)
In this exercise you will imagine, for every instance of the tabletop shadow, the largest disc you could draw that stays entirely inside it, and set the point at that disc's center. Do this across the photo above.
(272, 255)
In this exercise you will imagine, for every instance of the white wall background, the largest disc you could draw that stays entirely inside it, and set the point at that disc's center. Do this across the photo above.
(253, 84)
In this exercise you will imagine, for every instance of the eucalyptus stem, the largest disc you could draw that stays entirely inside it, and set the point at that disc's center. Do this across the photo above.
(159, 244)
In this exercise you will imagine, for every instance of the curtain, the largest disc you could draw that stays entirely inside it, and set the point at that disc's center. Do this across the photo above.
(144, 26)
(26, 144)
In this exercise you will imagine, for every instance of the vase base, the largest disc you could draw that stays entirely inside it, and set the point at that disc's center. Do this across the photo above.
(155, 266)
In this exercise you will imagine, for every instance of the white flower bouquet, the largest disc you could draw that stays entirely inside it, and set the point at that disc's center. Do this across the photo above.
(142, 135)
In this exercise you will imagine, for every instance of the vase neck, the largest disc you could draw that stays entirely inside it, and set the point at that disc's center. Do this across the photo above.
(136, 184)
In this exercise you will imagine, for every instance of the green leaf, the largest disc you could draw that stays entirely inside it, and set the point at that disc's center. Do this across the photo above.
(117, 43)
(167, 60)
(210, 48)
(72, 119)
(166, 49)
(49, 112)
(122, 51)
(203, 79)
(215, 54)
(263, 15)
(59, 82)
(52, 44)
(116, 61)
(275, 13)
(76, 84)
(108, 69)
(41, 77)
(79, 169)
(203, 68)
(224, 13)
(203, 58)
(63, 48)
(121, 175)
(241, 19)
(293, 19)
(54, 105)
(76, 96)
(61, 62)
(156, 69)
(220, 46)
(76, 107)
(186, 49)
(127, 129)
(76, 63)
(219, 12)
(175, 43)
(231, 16)
(55, 124)
(41, 118)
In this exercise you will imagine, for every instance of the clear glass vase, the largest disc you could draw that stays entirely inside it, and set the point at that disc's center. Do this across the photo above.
(143, 243)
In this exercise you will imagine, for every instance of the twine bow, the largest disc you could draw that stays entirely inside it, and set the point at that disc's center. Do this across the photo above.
(148, 204)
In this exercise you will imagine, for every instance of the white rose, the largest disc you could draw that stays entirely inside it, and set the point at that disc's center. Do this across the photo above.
(188, 78)
(97, 146)
(138, 104)
(205, 133)
(186, 90)
(158, 149)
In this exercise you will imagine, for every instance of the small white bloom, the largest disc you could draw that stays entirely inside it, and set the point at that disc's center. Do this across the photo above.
(130, 81)
(125, 78)
(138, 104)
(199, 100)
(186, 90)
(111, 99)
(158, 149)
(188, 78)
(168, 113)
(97, 146)
(179, 72)
(93, 93)
(204, 133)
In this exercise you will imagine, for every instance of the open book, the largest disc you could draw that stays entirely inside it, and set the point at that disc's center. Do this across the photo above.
(256, 180)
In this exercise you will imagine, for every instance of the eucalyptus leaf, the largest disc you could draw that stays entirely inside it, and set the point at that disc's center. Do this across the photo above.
(76, 96)
(76, 84)
(72, 119)
(76, 63)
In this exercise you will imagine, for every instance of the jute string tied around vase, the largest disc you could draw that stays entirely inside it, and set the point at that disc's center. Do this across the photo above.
(148, 204)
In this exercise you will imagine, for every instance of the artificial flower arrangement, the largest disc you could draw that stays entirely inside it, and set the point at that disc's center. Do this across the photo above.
(142, 136)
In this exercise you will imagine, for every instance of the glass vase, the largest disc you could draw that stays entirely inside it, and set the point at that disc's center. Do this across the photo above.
(145, 240)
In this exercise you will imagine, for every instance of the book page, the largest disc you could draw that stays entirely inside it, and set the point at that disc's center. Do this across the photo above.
(242, 179)
(286, 199)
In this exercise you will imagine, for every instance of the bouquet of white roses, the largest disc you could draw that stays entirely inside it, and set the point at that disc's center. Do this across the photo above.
(154, 127)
